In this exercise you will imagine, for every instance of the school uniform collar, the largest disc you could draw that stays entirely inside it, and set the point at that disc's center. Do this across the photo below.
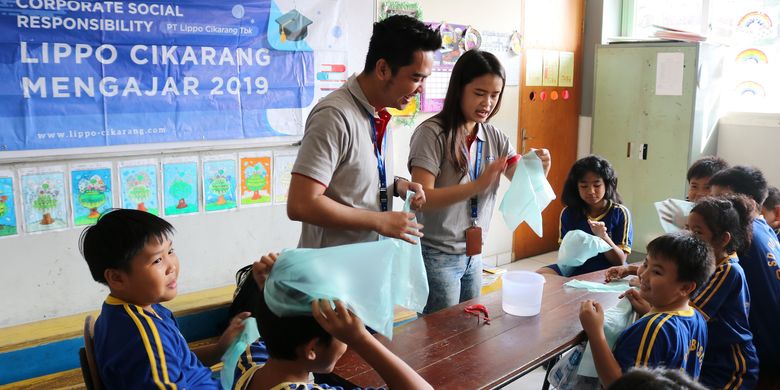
(681, 313)
(731, 256)
(114, 301)
(604, 214)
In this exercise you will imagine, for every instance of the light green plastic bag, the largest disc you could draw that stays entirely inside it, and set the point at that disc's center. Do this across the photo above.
(616, 320)
(370, 278)
(576, 248)
(673, 214)
(614, 286)
(230, 357)
(528, 195)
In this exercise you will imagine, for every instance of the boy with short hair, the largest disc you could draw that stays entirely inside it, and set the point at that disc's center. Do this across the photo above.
(699, 175)
(672, 334)
(761, 269)
(300, 345)
(771, 209)
(137, 340)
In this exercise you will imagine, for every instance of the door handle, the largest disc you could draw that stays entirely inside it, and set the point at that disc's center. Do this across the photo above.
(523, 137)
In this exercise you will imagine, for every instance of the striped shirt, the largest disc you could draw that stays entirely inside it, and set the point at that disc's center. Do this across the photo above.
(617, 220)
(143, 349)
(666, 339)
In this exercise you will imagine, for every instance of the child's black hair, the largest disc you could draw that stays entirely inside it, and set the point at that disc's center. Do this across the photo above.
(283, 335)
(706, 167)
(117, 237)
(597, 165)
(742, 179)
(694, 258)
(733, 214)
(772, 199)
(396, 39)
(640, 378)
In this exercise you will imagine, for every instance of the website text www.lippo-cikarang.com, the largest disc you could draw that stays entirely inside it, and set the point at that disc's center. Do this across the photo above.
(86, 134)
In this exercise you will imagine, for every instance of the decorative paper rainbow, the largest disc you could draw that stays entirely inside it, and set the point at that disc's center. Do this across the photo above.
(750, 88)
(752, 56)
(755, 22)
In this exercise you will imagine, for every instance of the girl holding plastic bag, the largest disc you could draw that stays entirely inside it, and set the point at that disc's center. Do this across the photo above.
(458, 158)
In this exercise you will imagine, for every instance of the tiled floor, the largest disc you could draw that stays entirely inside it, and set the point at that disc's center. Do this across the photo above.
(534, 379)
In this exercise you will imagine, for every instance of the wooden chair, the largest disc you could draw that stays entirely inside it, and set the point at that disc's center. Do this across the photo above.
(89, 367)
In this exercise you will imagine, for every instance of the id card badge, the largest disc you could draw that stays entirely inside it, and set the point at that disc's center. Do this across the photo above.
(473, 241)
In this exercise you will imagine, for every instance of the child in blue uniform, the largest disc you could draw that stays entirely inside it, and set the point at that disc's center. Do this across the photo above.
(593, 206)
(699, 174)
(300, 345)
(771, 209)
(672, 334)
(730, 361)
(137, 341)
(761, 270)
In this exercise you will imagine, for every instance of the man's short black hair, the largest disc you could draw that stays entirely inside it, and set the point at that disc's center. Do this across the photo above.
(117, 237)
(283, 335)
(694, 258)
(742, 179)
(396, 39)
(773, 198)
(641, 378)
(706, 167)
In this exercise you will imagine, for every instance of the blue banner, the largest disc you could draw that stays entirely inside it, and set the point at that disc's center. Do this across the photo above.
(97, 73)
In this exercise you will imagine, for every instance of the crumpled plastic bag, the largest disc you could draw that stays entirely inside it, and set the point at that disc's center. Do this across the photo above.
(673, 214)
(528, 195)
(576, 248)
(370, 278)
(231, 355)
(613, 286)
(563, 375)
(616, 320)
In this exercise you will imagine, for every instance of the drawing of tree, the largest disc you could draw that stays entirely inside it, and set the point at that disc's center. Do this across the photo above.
(138, 189)
(220, 185)
(46, 201)
(3, 208)
(92, 194)
(256, 179)
(180, 189)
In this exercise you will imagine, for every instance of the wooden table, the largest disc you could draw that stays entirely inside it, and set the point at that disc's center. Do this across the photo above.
(454, 350)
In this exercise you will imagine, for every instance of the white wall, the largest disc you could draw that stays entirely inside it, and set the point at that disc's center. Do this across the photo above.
(504, 17)
(751, 139)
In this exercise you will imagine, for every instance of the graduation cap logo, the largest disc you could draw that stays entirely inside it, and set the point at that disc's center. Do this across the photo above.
(293, 26)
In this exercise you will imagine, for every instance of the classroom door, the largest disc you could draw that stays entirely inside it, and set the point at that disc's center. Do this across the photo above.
(549, 114)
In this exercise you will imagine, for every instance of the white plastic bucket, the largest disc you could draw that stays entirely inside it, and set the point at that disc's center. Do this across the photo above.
(522, 293)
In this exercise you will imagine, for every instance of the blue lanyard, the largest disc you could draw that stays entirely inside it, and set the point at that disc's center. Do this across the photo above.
(474, 174)
(380, 163)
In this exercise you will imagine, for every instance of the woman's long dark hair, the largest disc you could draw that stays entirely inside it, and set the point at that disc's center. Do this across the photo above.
(470, 65)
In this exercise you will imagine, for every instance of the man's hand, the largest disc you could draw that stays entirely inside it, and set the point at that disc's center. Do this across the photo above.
(640, 305)
(403, 186)
(615, 273)
(398, 224)
(235, 328)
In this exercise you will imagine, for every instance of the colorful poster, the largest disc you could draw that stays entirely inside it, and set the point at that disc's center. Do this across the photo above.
(211, 70)
(180, 186)
(44, 205)
(255, 170)
(8, 226)
(219, 183)
(550, 69)
(91, 192)
(566, 69)
(138, 186)
(534, 67)
(283, 165)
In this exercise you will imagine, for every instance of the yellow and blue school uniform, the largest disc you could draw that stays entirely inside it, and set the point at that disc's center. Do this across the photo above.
(142, 349)
(730, 361)
(243, 382)
(763, 278)
(617, 220)
(666, 339)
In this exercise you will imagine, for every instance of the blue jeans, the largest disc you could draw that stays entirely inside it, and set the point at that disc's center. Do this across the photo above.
(451, 278)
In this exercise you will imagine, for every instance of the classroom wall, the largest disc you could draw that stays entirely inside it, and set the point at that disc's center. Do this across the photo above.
(44, 276)
(498, 246)
(751, 139)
